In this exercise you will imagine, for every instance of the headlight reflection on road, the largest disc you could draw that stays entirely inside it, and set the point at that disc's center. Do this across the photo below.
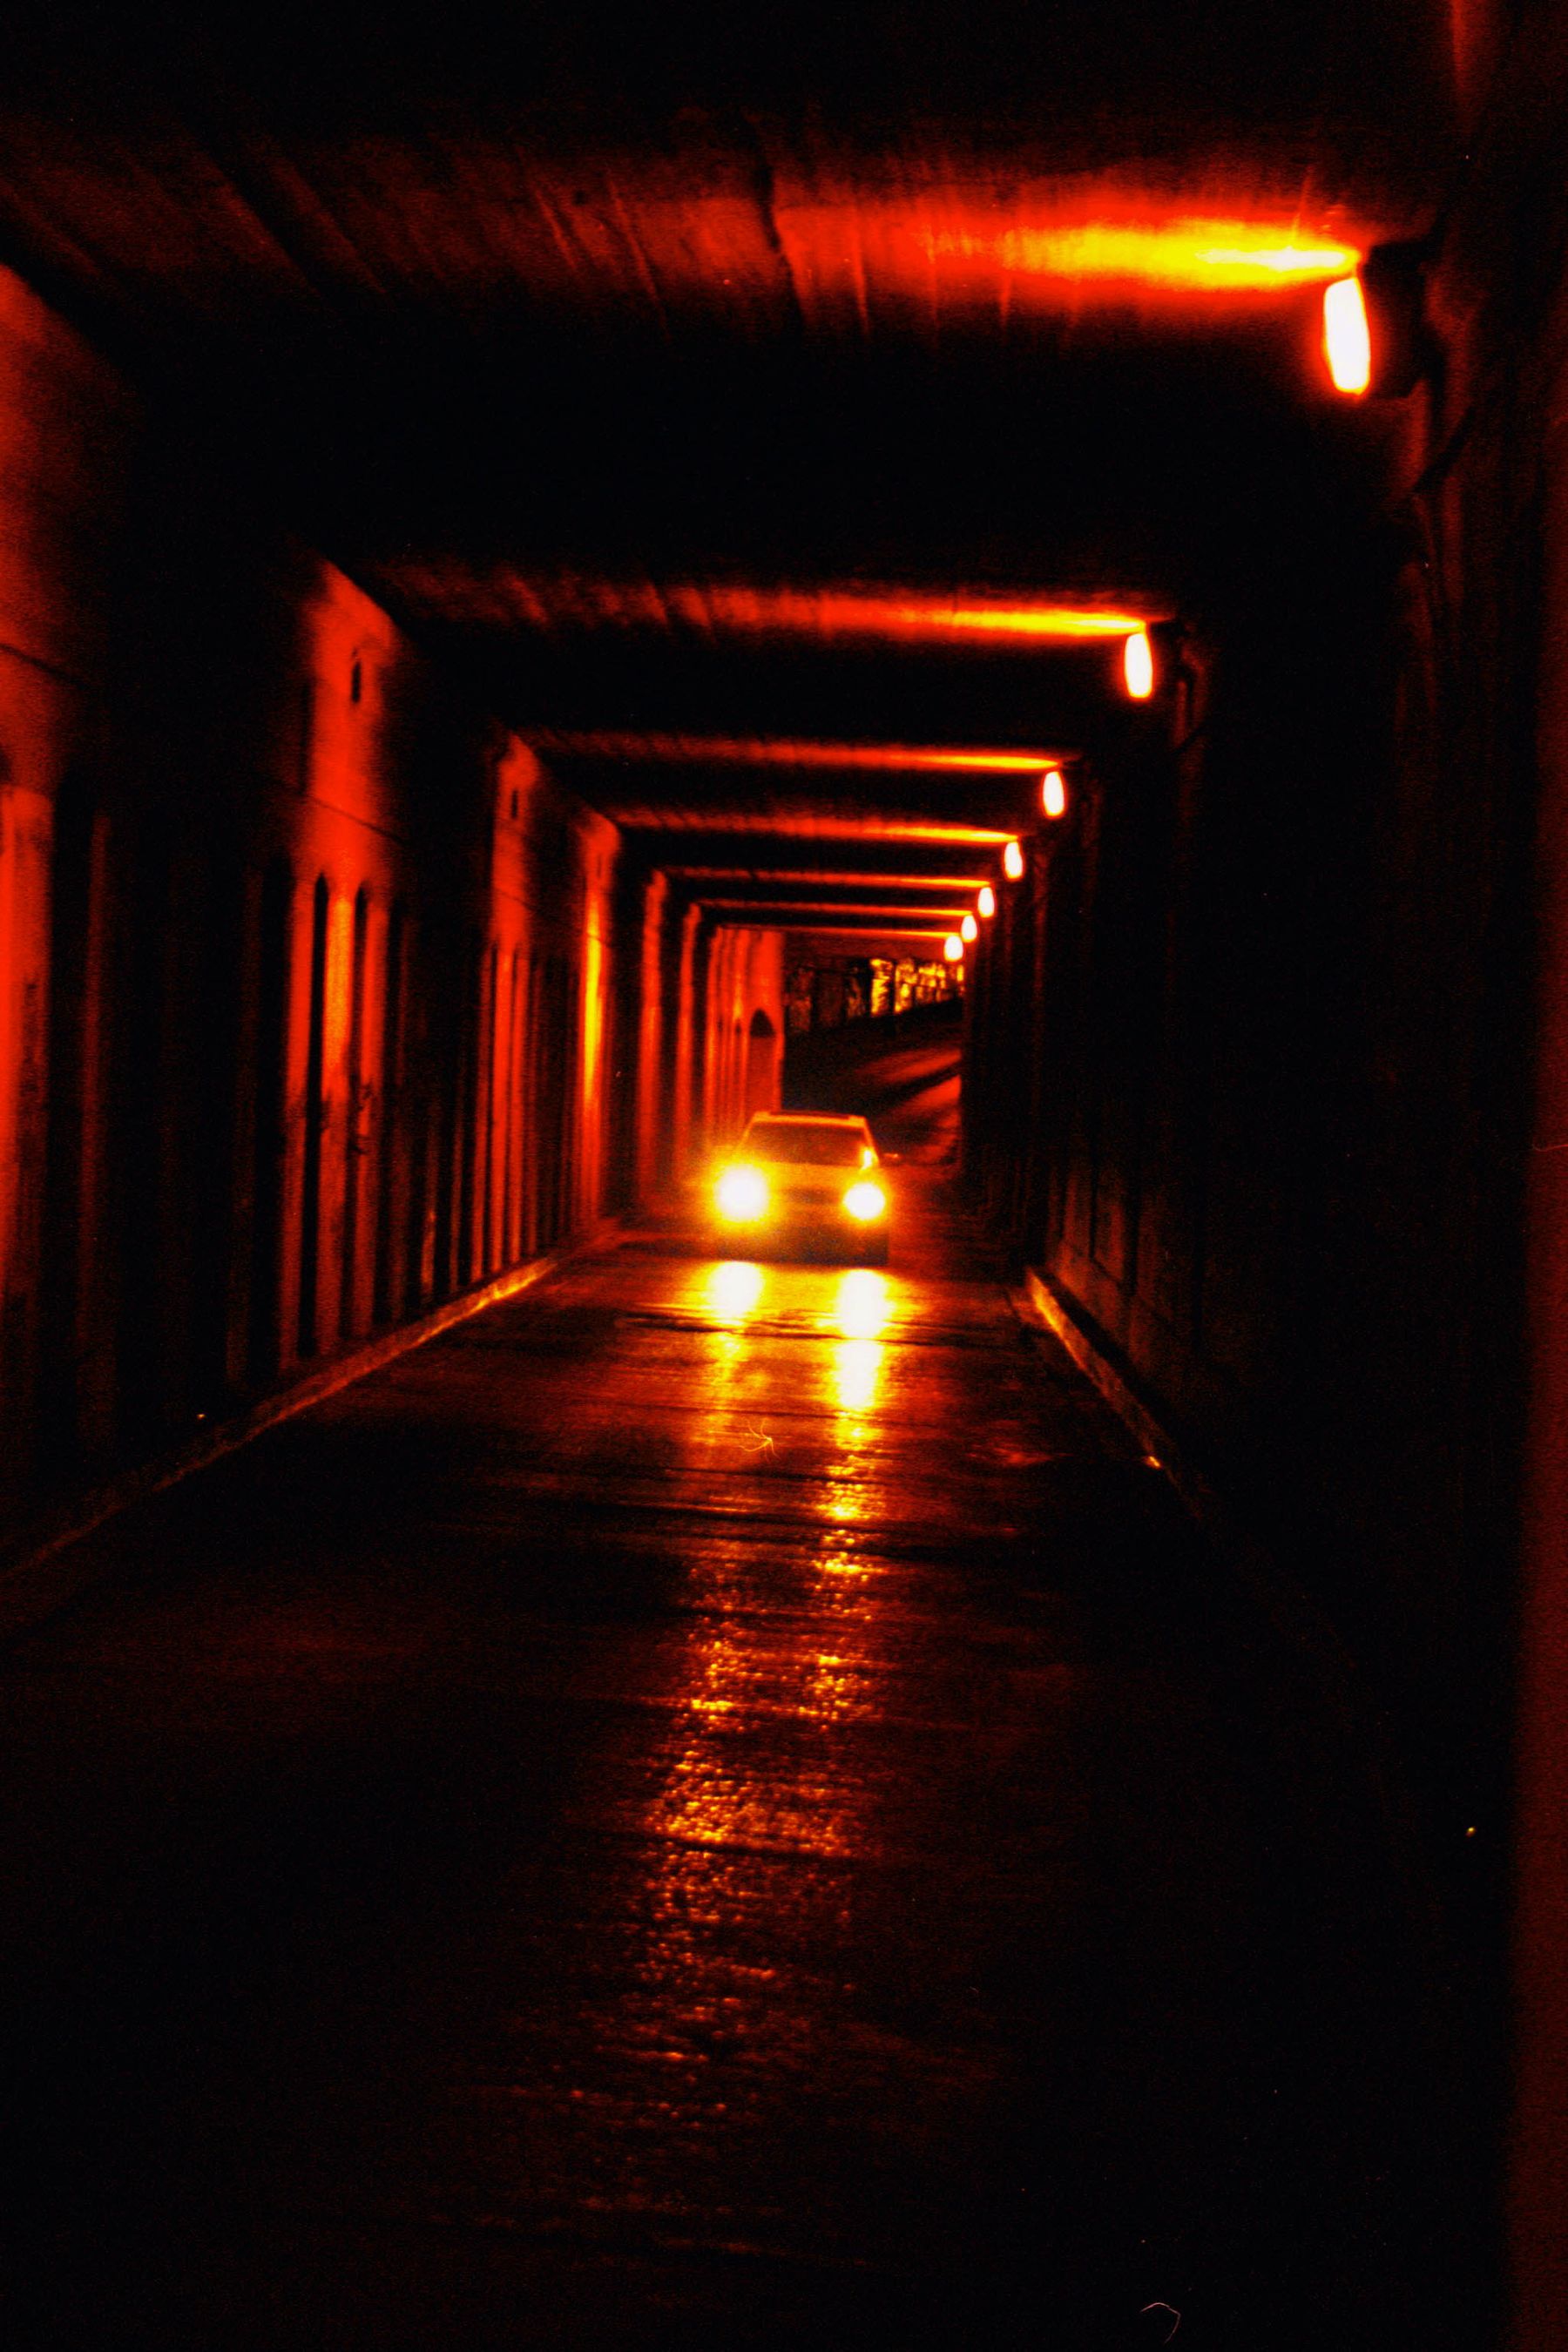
(734, 1288)
(860, 1310)
(862, 1306)
(857, 1368)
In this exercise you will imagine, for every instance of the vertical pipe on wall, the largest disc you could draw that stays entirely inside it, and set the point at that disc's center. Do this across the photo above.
(506, 1244)
(315, 1122)
(688, 1049)
(386, 1289)
(141, 1121)
(270, 1126)
(71, 1241)
(517, 1129)
(495, 1098)
(356, 1114)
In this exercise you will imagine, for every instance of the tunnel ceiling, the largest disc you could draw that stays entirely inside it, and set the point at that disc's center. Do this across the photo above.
(710, 383)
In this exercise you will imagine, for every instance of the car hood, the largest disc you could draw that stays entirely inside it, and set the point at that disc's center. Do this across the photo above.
(812, 1183)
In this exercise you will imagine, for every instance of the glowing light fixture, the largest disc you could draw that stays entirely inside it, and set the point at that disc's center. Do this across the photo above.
(953, 947)
(1347, 336)
(1138, 665)
(969, 929)
(986, 902)
(1054, 793)
(864, 1201)
(1013, 862)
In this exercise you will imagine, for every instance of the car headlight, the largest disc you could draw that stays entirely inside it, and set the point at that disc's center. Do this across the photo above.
(742, 1195)
(864, 1201)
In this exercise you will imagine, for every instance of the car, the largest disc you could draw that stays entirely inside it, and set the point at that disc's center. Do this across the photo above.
(802, 1177)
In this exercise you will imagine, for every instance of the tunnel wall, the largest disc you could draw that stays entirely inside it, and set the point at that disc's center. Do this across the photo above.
(745, 980)
(1224, 1044)
(697, 1032)
(308, 988)
(1498, 536)
(1265, 1075)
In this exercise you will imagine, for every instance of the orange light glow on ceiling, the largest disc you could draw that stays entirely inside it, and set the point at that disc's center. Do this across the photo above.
(969, 929)
(1347, 338)
(570, 602)
(1063, 622)
(900, 932)
(807, 823)
(773, 752)
(1181, 254)
(1013, 862)
(888, 911)
(986, 902)
(855, 254)
(1052, 786)
(953, 947)
(821, 877)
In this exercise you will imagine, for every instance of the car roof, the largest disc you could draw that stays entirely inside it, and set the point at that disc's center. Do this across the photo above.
(806, 1119)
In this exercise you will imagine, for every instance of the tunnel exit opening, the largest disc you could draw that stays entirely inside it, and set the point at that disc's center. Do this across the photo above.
(890, 1051)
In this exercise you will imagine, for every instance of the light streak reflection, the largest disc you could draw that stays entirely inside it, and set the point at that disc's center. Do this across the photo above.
(734, 1287)
(728, 1788)
(863, 1305)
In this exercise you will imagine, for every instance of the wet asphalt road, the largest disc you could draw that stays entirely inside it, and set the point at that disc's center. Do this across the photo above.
(709, 1806)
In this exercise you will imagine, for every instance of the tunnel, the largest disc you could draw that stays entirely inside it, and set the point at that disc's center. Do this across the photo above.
(962, 616)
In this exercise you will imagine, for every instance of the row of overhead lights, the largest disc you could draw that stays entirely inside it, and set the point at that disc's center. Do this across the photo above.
(1054, 802)
(1138, 672)
(1373, 338)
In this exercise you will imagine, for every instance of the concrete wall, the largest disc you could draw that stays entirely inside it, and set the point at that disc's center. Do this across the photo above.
(742, 1068)
(698, 1033)
(1267, 1072)
(318, 1006)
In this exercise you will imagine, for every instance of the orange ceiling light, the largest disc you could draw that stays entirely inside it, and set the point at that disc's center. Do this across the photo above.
(953, 947)
(1054, 790)
(986, 902)
(969, 930)
(1013, 862)
(1138, 665)
(1347, 336)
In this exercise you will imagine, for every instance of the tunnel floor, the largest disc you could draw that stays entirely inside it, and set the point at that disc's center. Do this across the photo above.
(710, 1805)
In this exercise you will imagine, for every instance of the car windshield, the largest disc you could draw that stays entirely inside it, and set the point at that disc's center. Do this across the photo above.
(807, 1143)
